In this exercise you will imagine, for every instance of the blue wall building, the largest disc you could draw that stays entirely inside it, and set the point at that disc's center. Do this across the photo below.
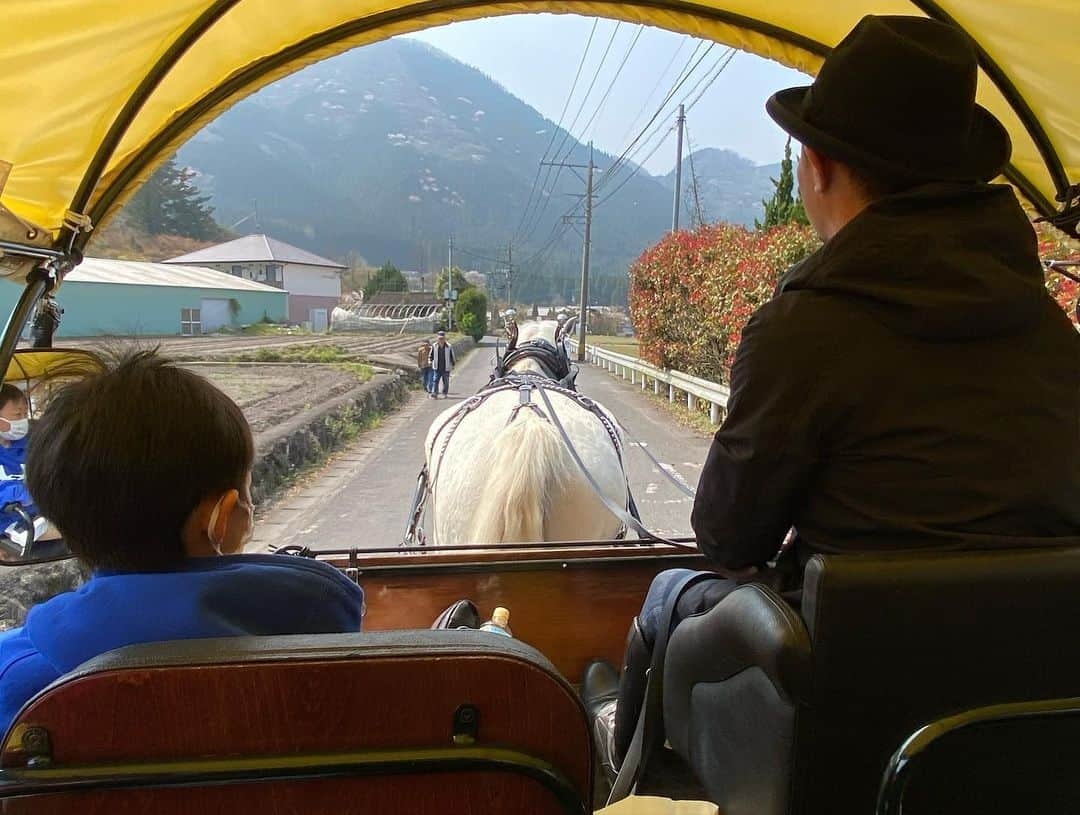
(129, 298)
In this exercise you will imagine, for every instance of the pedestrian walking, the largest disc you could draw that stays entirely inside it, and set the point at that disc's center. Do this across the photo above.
(423, 362)
(442, 362)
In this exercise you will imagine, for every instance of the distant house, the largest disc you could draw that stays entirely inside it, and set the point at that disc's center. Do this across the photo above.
(313, 283)
(132, 298)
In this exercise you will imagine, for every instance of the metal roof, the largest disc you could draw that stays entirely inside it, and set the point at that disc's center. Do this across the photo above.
(255, 248)
(406, 298)
(138, 273)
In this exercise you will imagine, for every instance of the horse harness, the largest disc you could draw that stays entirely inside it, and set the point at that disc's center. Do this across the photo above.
(525, 383)
(553, 359)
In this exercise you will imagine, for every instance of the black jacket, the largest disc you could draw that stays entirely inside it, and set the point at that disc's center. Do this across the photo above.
(912, 384)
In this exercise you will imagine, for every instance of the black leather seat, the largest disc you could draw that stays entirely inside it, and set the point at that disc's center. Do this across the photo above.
(996, 760)
(778, 715)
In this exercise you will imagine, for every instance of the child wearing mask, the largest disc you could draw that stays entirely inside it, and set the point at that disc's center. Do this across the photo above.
(145, 468)
(14, 426)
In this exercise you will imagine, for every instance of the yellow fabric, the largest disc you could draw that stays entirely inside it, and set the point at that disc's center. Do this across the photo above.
(69, 66)
(28, 364)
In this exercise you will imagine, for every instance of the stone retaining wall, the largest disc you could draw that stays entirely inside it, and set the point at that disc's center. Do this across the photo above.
(284, 450)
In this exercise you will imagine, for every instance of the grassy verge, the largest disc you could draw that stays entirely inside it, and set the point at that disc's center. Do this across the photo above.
(620, 345)
(350, 361)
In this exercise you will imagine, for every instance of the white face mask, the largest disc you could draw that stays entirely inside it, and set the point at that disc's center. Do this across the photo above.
(18, 429)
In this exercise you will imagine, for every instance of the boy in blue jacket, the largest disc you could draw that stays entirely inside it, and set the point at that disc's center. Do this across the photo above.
(145, 469)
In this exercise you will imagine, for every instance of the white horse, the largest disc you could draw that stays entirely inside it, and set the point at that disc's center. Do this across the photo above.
(501, 473)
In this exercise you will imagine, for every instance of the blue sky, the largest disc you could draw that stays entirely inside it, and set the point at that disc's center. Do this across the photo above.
(536, 56)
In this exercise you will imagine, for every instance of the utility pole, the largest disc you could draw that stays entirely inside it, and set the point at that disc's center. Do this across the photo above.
(587, 220)
(678, 173)
(449, 284)
(583, 319)
(509, 274)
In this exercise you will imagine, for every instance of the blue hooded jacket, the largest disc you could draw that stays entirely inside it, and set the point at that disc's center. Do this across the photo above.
(206, 597)
(12, 486)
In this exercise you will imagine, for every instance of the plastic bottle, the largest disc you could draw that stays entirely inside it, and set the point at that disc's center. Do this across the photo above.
(499, 622)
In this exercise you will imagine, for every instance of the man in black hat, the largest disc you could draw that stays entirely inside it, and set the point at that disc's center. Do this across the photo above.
(911, 384)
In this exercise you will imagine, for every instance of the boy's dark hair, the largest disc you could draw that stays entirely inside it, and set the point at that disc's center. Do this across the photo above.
(120, 458)
(10, 393)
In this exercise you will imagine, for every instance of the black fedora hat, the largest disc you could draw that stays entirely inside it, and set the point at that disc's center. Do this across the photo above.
(896, 97)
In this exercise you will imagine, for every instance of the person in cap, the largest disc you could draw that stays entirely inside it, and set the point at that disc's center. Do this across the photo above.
(911, 383)
(442, 361)
(423, 362)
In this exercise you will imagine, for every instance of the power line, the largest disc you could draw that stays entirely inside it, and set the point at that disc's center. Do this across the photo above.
(730, 56)
(478, 256)
(699, 213)
(637, 169)
(544, 191)
(555, 132)
(611, 85)
(592, 84)
(684, 75)
(648, 99)
(718, 67)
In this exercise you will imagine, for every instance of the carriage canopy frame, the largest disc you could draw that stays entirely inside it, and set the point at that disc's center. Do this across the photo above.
(100, 92)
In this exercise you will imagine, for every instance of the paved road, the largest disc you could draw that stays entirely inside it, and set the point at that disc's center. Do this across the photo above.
(362, 497)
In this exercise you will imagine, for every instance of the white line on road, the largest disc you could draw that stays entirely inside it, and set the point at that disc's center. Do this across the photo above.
(675, 474)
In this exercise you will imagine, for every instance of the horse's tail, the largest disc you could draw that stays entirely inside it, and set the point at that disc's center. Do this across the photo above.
(531, 466)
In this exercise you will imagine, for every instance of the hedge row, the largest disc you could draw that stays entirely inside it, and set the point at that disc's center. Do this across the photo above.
(692, 293)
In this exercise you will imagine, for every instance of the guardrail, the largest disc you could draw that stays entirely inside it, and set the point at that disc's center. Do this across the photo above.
(695, 389)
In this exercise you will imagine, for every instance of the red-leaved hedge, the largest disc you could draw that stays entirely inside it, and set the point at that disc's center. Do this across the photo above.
(1053, 245)
(692, 293)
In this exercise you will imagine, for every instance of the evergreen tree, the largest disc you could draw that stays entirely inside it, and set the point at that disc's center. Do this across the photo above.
(471, 313)
(386, 278)
(783, 207)
(169, 203)
(460, 283)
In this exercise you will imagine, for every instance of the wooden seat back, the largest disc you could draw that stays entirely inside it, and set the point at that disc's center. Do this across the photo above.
(415, 721)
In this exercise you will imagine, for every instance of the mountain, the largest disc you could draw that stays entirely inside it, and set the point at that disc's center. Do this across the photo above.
(730, 187)
(386, 150)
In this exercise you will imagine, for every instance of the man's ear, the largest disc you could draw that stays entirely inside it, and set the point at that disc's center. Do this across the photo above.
(821, 169)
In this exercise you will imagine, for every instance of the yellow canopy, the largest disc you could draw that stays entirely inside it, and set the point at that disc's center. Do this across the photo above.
(97, 92)
(28, 364)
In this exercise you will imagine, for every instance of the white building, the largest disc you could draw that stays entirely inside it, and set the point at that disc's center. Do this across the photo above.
(313, 283)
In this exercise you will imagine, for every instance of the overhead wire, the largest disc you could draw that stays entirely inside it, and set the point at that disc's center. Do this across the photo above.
(546, 192)
(555, 132)
(663, 75)
(477, 255)
(681, 80)
(603, 99)
(730, 56)
(699, 88)
(699, 212)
